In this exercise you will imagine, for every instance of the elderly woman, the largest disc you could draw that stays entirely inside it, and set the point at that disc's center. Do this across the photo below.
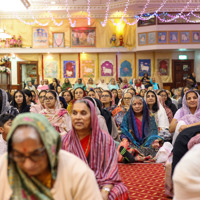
(188, 115)
(96, 148)
(113, 85)
(90, 84)
(66, 85)
(36, 168)
(40, 104)
(124, 84)
(57, 116)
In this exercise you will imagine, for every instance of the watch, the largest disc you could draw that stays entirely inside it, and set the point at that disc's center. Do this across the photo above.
(106, 189)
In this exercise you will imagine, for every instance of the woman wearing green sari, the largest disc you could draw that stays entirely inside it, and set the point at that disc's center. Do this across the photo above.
(36, 168)
(66, 85)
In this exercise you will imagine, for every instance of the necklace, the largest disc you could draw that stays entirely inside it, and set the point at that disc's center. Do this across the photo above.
(88, 144)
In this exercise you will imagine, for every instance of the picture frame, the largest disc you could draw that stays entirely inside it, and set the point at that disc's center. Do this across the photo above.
(173, 37)
(195, 36)
(144, 67)
(40, 37)
(151, 21)
(69, 69)
(58, 40)
(152, 38)
(185, 37)
(163, 66)
(162, 37)
(142, 38)
(83, 37)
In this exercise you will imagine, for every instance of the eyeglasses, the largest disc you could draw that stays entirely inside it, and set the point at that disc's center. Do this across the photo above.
(127, 98)
(48, 99)
(36, 156)
(105, 96)
(41, 97)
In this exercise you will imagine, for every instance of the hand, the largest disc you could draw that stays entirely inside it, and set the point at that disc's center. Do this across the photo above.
(104, 194)
(183, 127)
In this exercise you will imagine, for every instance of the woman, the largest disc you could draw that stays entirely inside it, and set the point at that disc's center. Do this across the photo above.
(63, 103)
(167, 101)
(120, 93)
(113, 84)
(34, 96)
(66, 85)
(157, 110)
(183, 91)
(154, 84)
(138, 86)
(188, 115)
(90, 84)
(28, 96)
(98, 91)
(191, 81)
(92, 94)
(54, 85)
(19, 102)
(115, 94)
(68, 98)
(119, 112)
(108, 101)
(124, 84)
(59, 90)
(132, 91)
(80, 83)
(96, 148)
(103, 85)
(79, 93)
(57, 116)
(146, 80)
(36, 168)
(40, 104)
(142, 93)
(138, 130)
(5, 107)
(30, 86)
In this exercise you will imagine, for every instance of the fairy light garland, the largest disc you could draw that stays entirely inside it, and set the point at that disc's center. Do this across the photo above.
(106, 15)
(88, 11)
(68, 15)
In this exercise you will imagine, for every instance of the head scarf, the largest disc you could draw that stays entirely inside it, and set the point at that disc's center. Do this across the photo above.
(104, 85)
(65, 85)
(185, 113)
(23, 186)
(103, 156)
(129, 124)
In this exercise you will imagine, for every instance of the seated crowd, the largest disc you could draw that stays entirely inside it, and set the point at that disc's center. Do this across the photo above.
(101, 124)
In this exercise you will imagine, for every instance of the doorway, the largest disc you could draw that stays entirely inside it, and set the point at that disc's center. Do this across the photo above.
(27, 71)
(181, 70)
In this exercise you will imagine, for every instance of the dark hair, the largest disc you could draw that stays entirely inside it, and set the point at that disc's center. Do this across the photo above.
(83, 101)
(57, 88)
(155, 107)
(190, 92)
(81, 89)
(56, 80)
(90, 99)
(62, 99)
(1, 100)
(109, 92)
(52, 92)
(28, 93)
(9, 97)
(68, 92)
(42, 92)
(4, 118)
(24, 104)
(91, 90)
(132, 89)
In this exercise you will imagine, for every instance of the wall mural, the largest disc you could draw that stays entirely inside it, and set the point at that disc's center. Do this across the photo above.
(163, 66)
(69, 69)
(50, 69)
(88, 68)
(144, 67)
(107, 68)
(125, 69)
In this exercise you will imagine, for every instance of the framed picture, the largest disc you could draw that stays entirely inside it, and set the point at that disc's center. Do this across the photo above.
(58, 40)
(144, 67)
(185, 37)
(40, 37)
(162, 37)
(195, 36)
(151, 21)
(152, 38)
(50, 69)
(173, 37)
(69, 69)
(83, 37)
(163, 66)
(126, 69)
(107, 68)
(142, 38)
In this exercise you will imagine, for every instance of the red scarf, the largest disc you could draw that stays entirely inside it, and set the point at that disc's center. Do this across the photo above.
(86, 144)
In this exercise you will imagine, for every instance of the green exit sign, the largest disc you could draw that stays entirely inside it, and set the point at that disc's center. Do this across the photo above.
(182, 57)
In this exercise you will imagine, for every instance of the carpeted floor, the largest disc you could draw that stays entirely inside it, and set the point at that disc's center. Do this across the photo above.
(144, 181)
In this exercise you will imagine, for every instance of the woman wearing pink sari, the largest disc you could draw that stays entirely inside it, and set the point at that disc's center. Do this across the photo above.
(96, 148)
(57, 116)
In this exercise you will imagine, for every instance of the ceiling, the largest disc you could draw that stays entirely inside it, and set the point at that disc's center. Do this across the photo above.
(97, 8)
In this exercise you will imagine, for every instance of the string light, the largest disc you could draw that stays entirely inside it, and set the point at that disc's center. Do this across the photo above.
(88, 11)
(106, 15)
(68, 15)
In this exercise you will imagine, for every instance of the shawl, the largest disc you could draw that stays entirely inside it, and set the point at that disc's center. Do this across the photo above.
(25, 187)
(129, 126)
(104, 86)
(66, 86)
(42, 87)
(168, 111)
(193, 141)
(5, 106)
(102, 157)
(110, 86)
(185, 114)
(77, 85)
(58, 117)
(37, 107)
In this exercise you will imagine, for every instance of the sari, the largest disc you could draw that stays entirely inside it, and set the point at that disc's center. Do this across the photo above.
(58, 117)
(66, 86)
(102, 158)
(36, 108)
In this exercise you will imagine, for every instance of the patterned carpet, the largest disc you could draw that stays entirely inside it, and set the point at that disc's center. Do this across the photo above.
(144, 181)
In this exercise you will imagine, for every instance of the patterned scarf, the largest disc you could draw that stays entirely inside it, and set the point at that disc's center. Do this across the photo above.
(25, 187)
